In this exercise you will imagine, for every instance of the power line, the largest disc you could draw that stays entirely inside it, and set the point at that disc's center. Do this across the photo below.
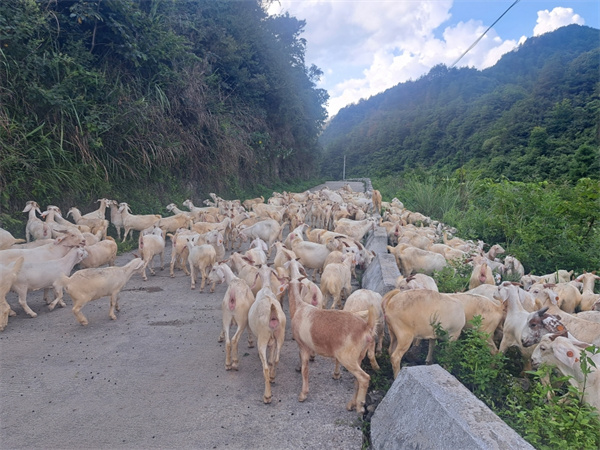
(484, 33)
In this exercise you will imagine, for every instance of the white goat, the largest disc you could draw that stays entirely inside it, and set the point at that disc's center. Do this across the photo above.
(336, 281)
(257, 252)
(90, 284)
(412, 314)
(172, 223)
(356, 229)
(515, 320)
(7, 240)
(565, 354)
(35, 228)
(115, 216)
(360, 300)
(100, 253)
(202, 257)
(151, 243)
(588, 298)
(416, 281)
(45, 274)
(581, 329)
(96, 224)
(100, 213)
(8, 275)
(267, 321)
(268, 230)
(235, 306)
(136, 222)
(56, 249)
(179, 250)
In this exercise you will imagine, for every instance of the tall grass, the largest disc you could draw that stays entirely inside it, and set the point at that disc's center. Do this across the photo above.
(428, 194)
(546, 226)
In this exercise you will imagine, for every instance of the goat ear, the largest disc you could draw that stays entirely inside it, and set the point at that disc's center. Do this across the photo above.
(565, 354)
(542, 311)
(580, 344)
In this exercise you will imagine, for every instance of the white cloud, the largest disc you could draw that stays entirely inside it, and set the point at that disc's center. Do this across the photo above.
(551, 20)
(388, 68)
(365, 47)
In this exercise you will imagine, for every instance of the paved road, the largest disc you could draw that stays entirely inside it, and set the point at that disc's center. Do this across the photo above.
(155, 378)
(357, 186)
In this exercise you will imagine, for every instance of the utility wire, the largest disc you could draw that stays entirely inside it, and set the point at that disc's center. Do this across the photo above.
(484, 33)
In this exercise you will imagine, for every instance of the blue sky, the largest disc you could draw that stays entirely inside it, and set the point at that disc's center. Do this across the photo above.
(367, 46)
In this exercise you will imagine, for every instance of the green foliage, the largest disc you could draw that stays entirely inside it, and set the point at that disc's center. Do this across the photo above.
(470, 360)
(547, 226)
(380, 379)
(562, 422)
(454, 277)
(110, 97)
(528, 118)
(550, 415)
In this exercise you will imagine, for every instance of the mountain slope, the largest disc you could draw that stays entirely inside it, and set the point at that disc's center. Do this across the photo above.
(534, 115)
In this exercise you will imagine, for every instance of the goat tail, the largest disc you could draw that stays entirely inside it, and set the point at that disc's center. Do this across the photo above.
(231, 303)
(372, 319)
(273, 317)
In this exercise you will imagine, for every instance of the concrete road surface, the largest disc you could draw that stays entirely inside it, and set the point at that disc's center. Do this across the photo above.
(156, 378)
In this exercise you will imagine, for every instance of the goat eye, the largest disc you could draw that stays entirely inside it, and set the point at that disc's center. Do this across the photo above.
(542, 347)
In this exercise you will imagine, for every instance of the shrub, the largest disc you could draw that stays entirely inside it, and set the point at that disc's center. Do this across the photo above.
(454, 277)
(564, 421)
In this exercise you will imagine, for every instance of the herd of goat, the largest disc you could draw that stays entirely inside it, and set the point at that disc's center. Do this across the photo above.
(550, 318)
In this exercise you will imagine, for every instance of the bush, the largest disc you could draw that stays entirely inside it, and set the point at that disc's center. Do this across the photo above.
(564, 421)
(454, 277)
(547, 226)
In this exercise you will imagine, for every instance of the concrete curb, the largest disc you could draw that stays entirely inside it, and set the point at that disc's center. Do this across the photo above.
(427, 408)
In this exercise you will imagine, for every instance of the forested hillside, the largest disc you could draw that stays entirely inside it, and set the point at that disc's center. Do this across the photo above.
(105, 97)
(533, 116)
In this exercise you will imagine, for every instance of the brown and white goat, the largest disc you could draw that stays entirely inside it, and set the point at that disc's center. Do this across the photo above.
(332, 333)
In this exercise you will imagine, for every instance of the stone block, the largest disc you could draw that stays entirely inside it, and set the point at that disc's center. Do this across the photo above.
(427, 408)
(380, 276)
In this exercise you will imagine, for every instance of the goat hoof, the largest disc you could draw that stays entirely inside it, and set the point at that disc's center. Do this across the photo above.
(302, 397)
(227, 367)
(50, 307)
(33, 315)
(250, 344)
(336, 376)
(266, 399)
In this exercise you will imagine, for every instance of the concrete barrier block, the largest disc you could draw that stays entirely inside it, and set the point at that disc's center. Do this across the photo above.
(380, 276)
(427, 408)
(377, 241)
